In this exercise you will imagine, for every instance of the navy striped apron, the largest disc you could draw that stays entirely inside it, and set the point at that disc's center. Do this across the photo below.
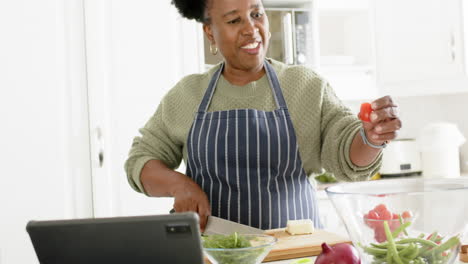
(247, 161)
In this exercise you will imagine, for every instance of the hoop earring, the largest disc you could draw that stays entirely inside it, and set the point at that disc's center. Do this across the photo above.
(213, 49)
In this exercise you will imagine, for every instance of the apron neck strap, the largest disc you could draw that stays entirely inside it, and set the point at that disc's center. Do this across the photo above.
(272, 80)
(275, 85)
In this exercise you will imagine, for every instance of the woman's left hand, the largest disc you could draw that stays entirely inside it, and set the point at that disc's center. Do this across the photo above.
(384, 121)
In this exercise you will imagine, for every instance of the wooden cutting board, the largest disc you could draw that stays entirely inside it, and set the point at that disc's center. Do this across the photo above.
(298, 246)
(464, 254)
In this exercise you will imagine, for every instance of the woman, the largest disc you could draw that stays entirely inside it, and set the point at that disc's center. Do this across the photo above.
(260, 129)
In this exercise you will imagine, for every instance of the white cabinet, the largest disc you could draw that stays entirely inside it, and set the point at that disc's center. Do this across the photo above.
(368, 48)
(345, 47)
(137, 50)
(419, 46)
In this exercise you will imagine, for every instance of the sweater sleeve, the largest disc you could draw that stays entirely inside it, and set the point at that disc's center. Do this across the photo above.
(338, 129)
(155, 143)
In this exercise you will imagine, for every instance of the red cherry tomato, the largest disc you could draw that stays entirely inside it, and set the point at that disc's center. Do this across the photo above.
(394, 224)
(395, 216)
(438, 237)
(379, 235)
(381, 208)
(364, 113)
(386, 215)
(406, 214)
(373, 215)
(371, 219)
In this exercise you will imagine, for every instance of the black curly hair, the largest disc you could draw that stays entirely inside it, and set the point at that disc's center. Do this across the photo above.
(191, 9)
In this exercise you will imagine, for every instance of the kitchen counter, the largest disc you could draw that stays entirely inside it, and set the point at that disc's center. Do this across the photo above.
(321, 187)
(289, 261)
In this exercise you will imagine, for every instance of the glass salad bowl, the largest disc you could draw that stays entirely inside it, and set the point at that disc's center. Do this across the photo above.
(404, 220)
(237, 248)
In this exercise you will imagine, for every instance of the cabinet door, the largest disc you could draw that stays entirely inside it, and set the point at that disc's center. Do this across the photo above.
(345, 40)
(44, 156)
(418, 42)
(137, 51)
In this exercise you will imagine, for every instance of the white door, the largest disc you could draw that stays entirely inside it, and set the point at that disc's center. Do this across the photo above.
(44, 141)
(419, 43)
(136, 53)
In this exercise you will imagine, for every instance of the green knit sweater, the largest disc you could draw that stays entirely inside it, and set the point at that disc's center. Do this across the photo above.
(324, 127)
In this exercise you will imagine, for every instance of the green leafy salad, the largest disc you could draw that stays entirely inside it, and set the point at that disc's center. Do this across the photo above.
(214, 243)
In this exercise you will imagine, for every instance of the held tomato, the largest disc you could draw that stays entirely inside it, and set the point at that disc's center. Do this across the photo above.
(364, 113)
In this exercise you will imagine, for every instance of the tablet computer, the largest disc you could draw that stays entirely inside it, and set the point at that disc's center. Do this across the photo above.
(171, 239)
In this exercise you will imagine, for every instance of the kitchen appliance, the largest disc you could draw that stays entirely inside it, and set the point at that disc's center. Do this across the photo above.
(291, 41)
(401, 158)
(440, 143)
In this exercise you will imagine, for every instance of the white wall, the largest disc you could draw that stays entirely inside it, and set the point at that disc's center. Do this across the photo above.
(44, 166)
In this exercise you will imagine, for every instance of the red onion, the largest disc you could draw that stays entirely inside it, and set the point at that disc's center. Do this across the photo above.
(338, 254)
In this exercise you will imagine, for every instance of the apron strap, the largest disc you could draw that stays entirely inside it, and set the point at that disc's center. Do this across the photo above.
(272, 80)
(274, 83)
(210, 90)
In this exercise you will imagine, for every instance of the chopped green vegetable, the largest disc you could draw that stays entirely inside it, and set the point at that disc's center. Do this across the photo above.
(222, 241)
(326, 177)
(233, 241)
(303, 261)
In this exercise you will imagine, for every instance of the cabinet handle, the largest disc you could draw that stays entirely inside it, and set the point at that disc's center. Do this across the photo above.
(98, 148)
(101, 158)
(452, 47)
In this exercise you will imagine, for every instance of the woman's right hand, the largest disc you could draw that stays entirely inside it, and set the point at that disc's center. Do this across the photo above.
(189, 197)
(160, 181)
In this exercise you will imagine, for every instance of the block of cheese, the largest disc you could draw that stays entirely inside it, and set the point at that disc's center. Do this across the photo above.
(300, 227)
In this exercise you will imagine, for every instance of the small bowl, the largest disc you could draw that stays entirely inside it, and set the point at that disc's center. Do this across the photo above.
(261, 246)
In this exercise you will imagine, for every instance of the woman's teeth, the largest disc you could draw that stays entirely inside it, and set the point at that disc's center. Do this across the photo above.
(251, 45)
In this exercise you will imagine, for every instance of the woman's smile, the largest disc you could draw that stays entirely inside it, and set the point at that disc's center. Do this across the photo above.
(252, 48)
